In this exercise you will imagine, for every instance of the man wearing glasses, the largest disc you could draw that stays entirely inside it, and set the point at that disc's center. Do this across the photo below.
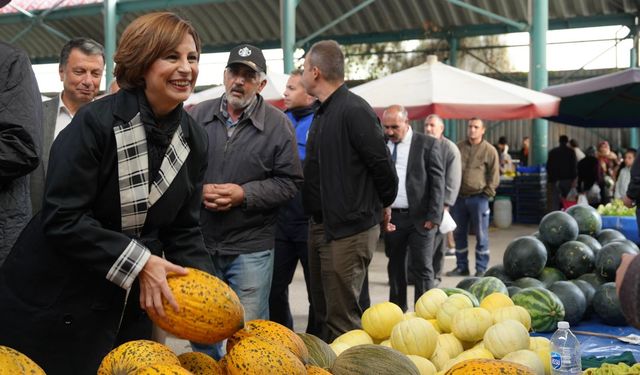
(253, 169)
(417, 209)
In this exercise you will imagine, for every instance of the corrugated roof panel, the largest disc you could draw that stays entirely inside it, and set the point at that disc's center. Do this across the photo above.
(258, 21)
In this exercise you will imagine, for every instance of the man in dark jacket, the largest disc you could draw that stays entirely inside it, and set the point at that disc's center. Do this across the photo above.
(349, 178)
(253, 169)
(20, 142)
(417, 210)
(561, 172)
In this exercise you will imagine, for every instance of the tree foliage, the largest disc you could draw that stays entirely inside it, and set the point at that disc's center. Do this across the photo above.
(376, 60)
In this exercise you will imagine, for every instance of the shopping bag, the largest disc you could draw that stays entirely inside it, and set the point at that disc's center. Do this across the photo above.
(582, 199)
(448, 224)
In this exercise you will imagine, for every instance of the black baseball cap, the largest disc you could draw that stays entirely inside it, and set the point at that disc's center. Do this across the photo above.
(248, 55)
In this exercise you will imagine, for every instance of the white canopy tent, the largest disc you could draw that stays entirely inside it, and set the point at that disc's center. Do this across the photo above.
(434, 87)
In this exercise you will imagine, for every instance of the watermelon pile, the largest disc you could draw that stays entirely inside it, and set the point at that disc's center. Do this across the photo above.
(565, 271)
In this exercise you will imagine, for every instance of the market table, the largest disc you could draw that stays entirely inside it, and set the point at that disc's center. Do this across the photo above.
(627, 225)
(600, 346)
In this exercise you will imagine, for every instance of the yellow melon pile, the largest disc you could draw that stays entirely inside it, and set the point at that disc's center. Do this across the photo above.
(447, 330)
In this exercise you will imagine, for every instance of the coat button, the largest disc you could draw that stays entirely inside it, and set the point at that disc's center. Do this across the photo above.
(67, 319)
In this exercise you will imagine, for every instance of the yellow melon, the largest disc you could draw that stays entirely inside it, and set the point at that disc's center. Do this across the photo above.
(210, 310)
(429, 303)
(414, 336)
(379, 319)
(471, 324)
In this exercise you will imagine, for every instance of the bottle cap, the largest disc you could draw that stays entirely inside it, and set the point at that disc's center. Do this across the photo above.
(563, 325)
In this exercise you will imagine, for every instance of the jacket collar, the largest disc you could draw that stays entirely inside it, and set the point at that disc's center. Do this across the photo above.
(256, 117)
(340, 92)
(133, 169)
(126, 108)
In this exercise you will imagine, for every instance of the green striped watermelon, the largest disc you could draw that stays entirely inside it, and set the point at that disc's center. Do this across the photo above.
(545, 308)
(451, 291)
(528, 282)
(550, 275)
(588, 219)
(486, 286)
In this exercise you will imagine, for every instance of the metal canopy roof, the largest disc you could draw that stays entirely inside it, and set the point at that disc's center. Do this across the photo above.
(224, 23)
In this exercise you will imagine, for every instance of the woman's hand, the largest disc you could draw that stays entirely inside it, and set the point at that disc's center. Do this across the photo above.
(154, 286)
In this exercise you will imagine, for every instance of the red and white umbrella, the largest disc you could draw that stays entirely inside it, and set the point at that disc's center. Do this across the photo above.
(434, 87)
(272, 91)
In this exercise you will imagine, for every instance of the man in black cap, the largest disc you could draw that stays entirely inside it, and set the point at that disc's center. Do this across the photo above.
(20, 141)
(253, 169)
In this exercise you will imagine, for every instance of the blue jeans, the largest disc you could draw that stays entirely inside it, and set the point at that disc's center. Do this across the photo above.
(472, 211)
(249, 275)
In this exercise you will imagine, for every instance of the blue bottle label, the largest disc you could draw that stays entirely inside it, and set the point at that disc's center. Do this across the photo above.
(556, 360)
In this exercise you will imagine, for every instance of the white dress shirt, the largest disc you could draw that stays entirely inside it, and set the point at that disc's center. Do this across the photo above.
(64, 117)
(402, 159)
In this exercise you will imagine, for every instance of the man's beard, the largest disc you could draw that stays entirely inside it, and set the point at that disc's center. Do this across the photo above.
(239, 103)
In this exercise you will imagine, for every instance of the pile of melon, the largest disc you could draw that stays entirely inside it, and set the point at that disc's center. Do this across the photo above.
(261, 347)
(568, 265)
(15, 363)
(448, 328)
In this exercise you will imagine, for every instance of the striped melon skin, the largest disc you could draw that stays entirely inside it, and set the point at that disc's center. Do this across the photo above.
(135, 355)
(273, 332)
(9, 365)
(200, 364)
(210, 310)
(255, 356)
(472, 297)
(163, 370)
(29, 366)
(545, 308)
(489, 366)
(315, 370)
(320, 353)
(373, 359)
(486, 286)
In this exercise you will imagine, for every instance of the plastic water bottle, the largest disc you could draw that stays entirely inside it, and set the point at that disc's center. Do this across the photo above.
(565, 351)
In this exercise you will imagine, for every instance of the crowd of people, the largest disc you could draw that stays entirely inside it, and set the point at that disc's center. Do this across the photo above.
(599, 173)
(137, 187)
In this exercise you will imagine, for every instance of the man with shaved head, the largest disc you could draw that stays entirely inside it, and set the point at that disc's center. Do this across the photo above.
(417, 209)
(349, 178)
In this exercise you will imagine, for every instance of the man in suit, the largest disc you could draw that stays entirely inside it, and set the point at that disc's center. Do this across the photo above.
(80, 68)
(417, 209)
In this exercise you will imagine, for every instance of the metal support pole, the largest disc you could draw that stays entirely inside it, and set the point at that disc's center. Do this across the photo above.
(634, 138)
(288, 32)
(110, 23)
(517, 25)
(331, 24)
(538, 74)
(451, 129)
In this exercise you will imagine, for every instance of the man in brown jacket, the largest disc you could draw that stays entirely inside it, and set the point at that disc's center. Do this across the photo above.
(480, 178)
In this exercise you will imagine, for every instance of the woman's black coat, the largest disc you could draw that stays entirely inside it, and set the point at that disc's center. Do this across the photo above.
(57, 304)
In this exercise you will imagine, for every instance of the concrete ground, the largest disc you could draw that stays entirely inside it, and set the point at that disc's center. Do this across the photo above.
(378, 287)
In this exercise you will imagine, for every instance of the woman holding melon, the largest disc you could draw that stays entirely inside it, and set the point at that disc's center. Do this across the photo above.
(123, 189)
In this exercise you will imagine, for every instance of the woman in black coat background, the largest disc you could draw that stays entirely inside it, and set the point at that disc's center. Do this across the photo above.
(123, 189)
